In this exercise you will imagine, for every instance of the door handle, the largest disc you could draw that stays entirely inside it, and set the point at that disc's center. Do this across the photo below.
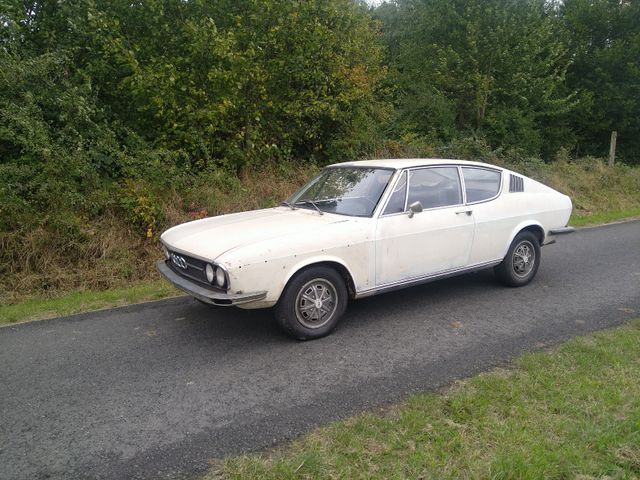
(468, 212)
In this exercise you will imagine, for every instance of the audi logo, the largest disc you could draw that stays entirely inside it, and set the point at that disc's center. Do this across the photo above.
(178, 261)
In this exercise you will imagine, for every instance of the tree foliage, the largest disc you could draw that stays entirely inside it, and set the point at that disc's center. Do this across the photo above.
(111, 104)
(490, 67)
(227, 81)
(604, 38)
(97, 94)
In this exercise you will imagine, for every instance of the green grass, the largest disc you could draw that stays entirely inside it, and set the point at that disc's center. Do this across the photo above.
(604, 217)
(83, 301)
(572, 412)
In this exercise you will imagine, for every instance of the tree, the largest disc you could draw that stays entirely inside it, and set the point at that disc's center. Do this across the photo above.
(226, 82)
(604, 37)
(494, 67)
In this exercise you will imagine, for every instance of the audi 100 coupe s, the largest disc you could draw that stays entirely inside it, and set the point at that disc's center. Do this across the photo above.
(363, 228)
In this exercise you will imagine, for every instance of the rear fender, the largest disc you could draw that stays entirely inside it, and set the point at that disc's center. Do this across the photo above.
(521, 226)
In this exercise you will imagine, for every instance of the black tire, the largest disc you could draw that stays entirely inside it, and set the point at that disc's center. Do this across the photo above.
(518, 268)
(295, 311)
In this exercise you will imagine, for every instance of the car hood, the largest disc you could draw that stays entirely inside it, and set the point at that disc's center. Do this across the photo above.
(211, 237)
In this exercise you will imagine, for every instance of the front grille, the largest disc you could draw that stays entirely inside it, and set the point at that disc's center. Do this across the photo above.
(194, 267)
(516, 184)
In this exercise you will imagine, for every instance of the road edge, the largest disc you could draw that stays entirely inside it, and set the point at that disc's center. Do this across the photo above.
(177, 299)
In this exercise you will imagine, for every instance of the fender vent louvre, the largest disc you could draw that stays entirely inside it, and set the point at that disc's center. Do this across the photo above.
(516, 184)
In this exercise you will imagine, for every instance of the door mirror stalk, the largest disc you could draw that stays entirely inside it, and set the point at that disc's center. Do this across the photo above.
(415, 207)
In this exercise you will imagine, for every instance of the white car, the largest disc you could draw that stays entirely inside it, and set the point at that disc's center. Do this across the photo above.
(363, 228)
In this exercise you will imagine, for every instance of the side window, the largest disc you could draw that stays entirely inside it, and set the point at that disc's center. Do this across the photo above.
(480, 184)
(396, 201)
(435, 187)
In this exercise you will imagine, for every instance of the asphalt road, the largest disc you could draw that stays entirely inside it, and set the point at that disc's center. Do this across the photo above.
(159, 390)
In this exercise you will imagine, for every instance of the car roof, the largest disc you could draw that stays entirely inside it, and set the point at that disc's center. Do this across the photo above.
(398, 163)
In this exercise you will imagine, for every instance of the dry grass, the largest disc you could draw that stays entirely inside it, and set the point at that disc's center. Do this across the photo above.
(593, 186)
(108, 252)
(105, 253)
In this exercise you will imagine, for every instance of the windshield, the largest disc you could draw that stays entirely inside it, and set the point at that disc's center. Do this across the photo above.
(344, 190)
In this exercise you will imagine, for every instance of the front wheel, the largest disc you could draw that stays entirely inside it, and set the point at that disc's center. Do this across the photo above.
(521, 263)
(312, 303)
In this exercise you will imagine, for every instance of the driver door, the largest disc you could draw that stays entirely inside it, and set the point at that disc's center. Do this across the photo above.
(435, 240)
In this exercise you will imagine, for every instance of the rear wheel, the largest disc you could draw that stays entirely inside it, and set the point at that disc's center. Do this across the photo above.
(312, 303)
(521, 263)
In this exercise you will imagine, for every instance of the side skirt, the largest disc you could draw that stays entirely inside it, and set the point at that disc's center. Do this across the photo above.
(424, 279)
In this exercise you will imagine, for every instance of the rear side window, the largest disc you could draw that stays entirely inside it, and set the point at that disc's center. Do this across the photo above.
(480, 184)
(435, 187)
(396, 201)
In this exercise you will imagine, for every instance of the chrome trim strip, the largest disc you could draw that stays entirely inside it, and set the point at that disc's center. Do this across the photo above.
(386, 195)
(406, 196)
(397, 180)
(204, 294)
(464, 188)
(423, 210)
(195, 266)
(387, 287)
(406, 192)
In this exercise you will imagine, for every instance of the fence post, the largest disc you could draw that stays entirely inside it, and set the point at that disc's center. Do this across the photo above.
(612, 148)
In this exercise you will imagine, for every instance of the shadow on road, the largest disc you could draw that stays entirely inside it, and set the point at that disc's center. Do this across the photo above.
(211, 323)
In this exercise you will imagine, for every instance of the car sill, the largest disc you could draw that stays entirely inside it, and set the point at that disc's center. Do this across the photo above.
(424, 279)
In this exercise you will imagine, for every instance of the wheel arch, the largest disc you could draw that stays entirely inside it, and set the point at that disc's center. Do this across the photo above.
(330, 262)
(529, 226)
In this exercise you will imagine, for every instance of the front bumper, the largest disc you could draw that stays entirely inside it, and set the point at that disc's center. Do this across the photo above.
(205, 294)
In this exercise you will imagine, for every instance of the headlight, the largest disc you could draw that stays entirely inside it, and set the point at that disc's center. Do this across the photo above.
(220, 277)
(166, 252)
(208, 270)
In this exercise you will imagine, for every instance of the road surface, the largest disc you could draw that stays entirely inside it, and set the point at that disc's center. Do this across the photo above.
(160, 390)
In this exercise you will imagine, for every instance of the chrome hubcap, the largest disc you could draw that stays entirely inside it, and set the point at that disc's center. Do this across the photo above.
(316, 303)
(524, 257)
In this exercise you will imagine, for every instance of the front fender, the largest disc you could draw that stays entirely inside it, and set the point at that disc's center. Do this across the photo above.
(314, 261)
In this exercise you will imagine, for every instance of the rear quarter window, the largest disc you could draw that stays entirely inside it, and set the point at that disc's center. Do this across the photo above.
(481, 184)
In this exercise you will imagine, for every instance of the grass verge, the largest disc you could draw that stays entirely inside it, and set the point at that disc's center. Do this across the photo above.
(109, 256)
(84, 301)
(571, 412)
(601, 218)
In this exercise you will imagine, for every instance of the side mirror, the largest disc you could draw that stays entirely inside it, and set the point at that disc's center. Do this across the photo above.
(415, 207)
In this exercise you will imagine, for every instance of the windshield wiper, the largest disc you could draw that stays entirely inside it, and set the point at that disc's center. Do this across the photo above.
(287, 204)
(311, 202)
